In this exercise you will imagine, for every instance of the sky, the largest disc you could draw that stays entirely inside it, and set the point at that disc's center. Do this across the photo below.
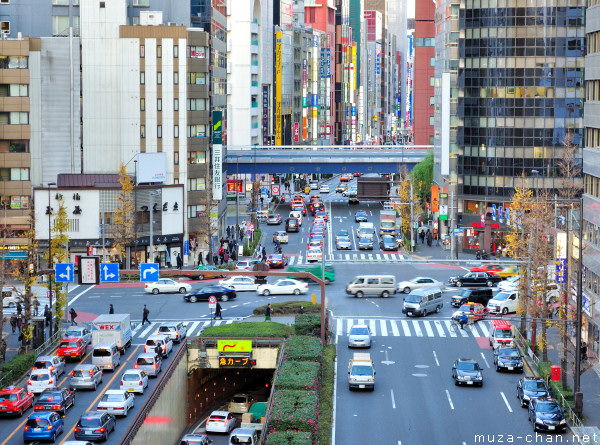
(410, 8)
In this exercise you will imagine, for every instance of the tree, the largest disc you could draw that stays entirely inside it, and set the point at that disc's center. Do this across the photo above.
(422, 177)
(60, 254)
(123, 222)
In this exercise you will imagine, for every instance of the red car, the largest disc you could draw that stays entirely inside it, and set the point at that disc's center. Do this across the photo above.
(492, 269)
(15, 400)
(72, 348)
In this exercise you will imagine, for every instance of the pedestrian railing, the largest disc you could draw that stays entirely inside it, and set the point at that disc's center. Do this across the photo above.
(49, 344)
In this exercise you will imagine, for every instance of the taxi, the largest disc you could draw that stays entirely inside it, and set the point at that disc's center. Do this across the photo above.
(14, 400)
(475, 310)
(508, 271)
(72, 348)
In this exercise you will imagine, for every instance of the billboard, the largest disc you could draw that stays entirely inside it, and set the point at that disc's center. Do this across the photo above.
(151, 167)
(278, 88)
(217, 155)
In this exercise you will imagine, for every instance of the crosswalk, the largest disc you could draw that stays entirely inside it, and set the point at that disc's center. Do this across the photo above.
(353, 258)
(194, 328)
(388, 327)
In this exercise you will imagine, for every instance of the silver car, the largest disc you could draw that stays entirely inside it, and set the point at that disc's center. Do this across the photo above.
(359, 336)
(343, 243)
(150, 362)
(175, 330)
(85, 377)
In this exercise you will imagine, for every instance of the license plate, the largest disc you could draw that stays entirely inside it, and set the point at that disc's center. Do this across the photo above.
(551, 428)
(89, 432)
(361, 386)
(37, 430)
(510, 368)
(469, 383)
(130, 389)
(2, 407)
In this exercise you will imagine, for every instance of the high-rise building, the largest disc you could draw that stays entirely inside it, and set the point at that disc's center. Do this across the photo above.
(424, 73)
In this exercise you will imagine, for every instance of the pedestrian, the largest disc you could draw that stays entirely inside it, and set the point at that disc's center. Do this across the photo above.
(268, 312)
(264, 253)
(13, 323)
(484, 255)
(111, 309)
(226, 257)
(301, 310)
(145, 313)
(20, 323)
(36, 306)
(218, 312)
(584, 349)
(228, 232)
(73, 316)
(478, 255)
(207, 257)
(429, 238)
(422, 236)
(47, 315)
(215, 259)
(179, 261)
(19, 308)
(463, 320)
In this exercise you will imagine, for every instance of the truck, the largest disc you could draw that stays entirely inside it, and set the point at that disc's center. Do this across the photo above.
(112, 328)
(387, 222)
(361, 372)
(315, 269)
(255, 417)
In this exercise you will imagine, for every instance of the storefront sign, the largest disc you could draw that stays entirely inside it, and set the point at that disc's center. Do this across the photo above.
(236, 361)
(278, 88)
(217, 154)
(265, 114)
(435, 198)
(234, 345)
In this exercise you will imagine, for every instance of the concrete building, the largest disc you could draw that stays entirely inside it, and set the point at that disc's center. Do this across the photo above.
(374, 37)
(424, 73)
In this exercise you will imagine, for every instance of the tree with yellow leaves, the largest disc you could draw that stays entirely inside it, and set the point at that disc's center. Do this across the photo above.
(124, 215)
(60, 254)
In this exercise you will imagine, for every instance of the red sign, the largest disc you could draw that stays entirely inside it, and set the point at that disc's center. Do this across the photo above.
(232, 184)
(296, 132)
(107, 327)
(275, 190)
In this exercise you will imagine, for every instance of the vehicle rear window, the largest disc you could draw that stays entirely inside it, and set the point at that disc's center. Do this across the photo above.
(39, 377)
(239, 400)
(78, 373)
(217, 418)
(130, 377)
(145, 361)
(164, 329)
(150, 343)
(69, 344)
(50, 397)
(101, 353)
(112, 398)
(240, 439)
(89, 422)
(37, 423)
(42, 365)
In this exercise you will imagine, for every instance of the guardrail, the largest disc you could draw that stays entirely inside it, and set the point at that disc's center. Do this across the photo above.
(138, 421)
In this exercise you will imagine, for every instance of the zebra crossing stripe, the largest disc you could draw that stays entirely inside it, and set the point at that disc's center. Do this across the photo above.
(384, 331)
(474, 331)
(350, 323)
(135, 331)
(193, 328)
(148, 329)
(417, 328)
(438, 326)
(484, 329)
(361, 321)
(292, 260)
(362, 256)
(428, 328)
(463, 332)
(450, 328)
(339, 329)
(378, 257)
(394, 326)
(373, 327)
(347, 255)
(405, 328)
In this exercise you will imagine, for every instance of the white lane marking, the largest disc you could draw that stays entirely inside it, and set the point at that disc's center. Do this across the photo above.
(361, 321)
(405, 328)
(506, 402)
(378, 256)
(193, 327)
(135, 331)
(362, 256)
(436, 359)
(463, 332)
(354, 239)
(373, 327)
(438, 326)
(449, 327)
(74, 299)
(449, 399)
(148, 329)
(393, 400)
(339, 328)
(473, 330)
(428, 328)
(350, 322)
(417, 328)
(395, 331)
(484, 329)
(383, 328)
(485, 360)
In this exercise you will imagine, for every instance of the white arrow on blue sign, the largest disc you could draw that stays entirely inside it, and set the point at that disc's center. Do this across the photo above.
(264, 191)
(64, 272)
(109, 272)
(149, 272)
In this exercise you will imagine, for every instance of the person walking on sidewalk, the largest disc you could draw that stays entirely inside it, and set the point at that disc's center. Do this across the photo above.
(145, 314)
(73, 316)
(179, 261)
(19, 309)
(218, 312)
(47, 315)
(422, 235)
(13, 323)
(111, 309)
(36, 306)
(268, 312)
(429, 238)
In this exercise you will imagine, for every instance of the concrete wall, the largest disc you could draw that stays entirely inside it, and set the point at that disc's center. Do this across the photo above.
(167, 419)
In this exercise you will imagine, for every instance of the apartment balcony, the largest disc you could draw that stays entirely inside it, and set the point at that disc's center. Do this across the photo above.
(254, 91)
(254, 68)
(254, 28)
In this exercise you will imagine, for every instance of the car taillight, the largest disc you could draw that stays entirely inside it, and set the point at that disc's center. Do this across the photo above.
(91, 373)
(141, 383)
(176, 334)
(119, 408)
(145, 285)
(49, 427)
(51, 368)
(50, 381)
(121, 382)
(77, 429)
(29, 382)
(38, 407)
(26, 428)
(72, 373)
(101, 430)
(56, 407)
(155, 366)
(135, 366)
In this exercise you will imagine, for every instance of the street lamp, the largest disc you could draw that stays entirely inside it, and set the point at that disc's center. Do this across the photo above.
(50, 265)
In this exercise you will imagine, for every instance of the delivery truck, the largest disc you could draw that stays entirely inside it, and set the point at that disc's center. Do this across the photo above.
(361, 372)
(387, 222)
(112, 328)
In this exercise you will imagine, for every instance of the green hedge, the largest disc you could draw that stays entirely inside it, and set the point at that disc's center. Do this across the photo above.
(249, 329)
(326, 395)
(556, 390)
(249, 248)
(299, 375)
(20, 364)
(543, 370)
(308, 324)
(289, 438)
(304, 348)
(294, 410)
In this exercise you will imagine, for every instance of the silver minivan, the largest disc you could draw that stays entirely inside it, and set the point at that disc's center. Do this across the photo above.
(106, 356)
(423, 301)
(375, 285)
(246, 436)
(150, 362)
(85, 377)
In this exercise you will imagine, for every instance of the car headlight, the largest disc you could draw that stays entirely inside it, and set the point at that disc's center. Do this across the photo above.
(526, 397)
(418, 307)
(562, 422)
(460, 377)
(479, 377)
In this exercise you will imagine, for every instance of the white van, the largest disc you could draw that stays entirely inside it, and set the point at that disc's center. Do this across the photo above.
(504, 302)
(365, 229)
(375, 285)
(423, 301)
(296, 214)
(106, 356)
(245, 436)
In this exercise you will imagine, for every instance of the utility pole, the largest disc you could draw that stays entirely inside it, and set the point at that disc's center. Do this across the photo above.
(412, 229)
(453, 250)
(103, 235)
(579, 324)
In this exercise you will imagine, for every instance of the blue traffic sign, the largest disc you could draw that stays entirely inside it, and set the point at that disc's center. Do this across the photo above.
(64, 273)
(149, 272)
(264, 191)
(109, 272)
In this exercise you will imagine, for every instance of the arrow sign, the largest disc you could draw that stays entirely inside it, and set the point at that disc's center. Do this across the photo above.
(63, 272)
(149, 272)
(387, 361)
(109, 272)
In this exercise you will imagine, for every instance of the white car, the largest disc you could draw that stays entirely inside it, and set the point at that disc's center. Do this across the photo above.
(359, 336)
(298, 215)
(313, 255)
(511, 283)
(282, 287)
(166, 285)
(220, 422)
(117, 402)
(324, 189)
(41, 379)
(133, 380)
(176, 330)
(239, 283)
(164, 341)
(417, 283)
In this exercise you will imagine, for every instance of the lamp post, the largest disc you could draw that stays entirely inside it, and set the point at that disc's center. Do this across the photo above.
(153, 193)
(135, 222)
(50, 265)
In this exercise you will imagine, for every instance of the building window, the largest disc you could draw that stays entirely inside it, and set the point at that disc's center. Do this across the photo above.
(14, 174)
(142, 51)
(14, 118)
(142, 78)
(196, 131)
(432, 61)
(196, 78)
(13, 62)
(159, 131)
(14, 90)
(14, 146)
(76, 25)
(196, 211)
(431, 100)
(60, 25)
(5, 27)
(431, 120)
(431, 81)
(135, 20)
(159, 78)
(175, 51)
(176, 131)
(141, 2)
(196, 184)
(176, 158)
(196, 104)
(158, 51)
(60, 2)
(159, 104)
(4, 2)
(142, 104)
(196, 157)
(142, 131)
(197, 52)
(175, 104)
(175, 78)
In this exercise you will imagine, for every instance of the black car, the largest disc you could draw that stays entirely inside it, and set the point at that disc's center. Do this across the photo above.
(292, 225)
(361, 216)
(482, 296)
(508, 359)
(475, 279)
(94, 425)
(388, 242)
(277, 261)
(467, 371)
(530, 388)
(220, 292)
(58, 400)
(546, 415)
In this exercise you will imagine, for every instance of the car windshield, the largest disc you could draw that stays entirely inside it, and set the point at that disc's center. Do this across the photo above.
(501, 296)
(361, 370)
(359, 331)
(365, 240)
(387, 224)
(89, 422)
(465, 308)
(548, 407)
(73, 333)
(39, 377)
(9, 397)
(534, 385)
(467, 366)
(131, 377)
(50, 397)
(503, 333)
(510, 353)
(342, 233)
(68, 344)
(388, 239)
(344, 239)
(37, 423)
(112, 398)
(413, 299)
